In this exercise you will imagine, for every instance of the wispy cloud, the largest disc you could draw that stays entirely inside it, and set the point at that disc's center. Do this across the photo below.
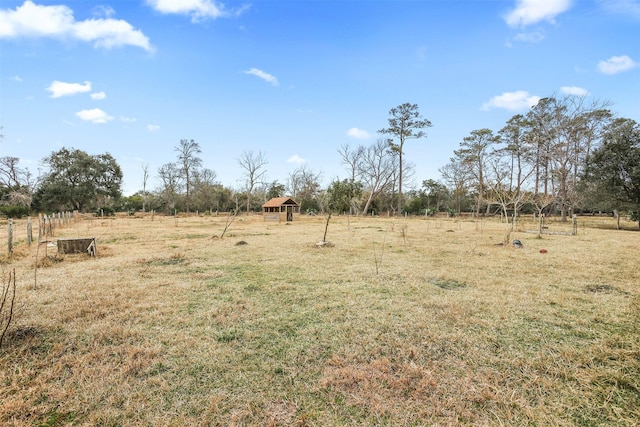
(574, 90)
(530, 37)
(32, 20)
(512, 101)
(103, 11)
(528, 12)
(358, 133)
(95, 115)
(269, 78)
(616, 64)
(295, 159)
(17, 79)
(128, 119)
(59, 89)
(623, 7)
(153, 128)
(198, 10)
(98, 96)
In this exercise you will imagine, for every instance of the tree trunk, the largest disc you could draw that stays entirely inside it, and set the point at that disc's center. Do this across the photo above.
(366, 206)
(400, 182)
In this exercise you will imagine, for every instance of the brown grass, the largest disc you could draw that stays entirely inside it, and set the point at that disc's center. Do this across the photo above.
(399, 322)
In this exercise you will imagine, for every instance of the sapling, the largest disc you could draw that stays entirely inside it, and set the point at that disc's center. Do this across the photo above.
(378, 259)
(7, 303)
(230, 219)
(326, 228)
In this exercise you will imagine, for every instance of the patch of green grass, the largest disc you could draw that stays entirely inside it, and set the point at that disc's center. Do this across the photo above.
(448, 284)
(56, 419)
(120, 238)
(196, 236)
(228, 335)
(174, 259)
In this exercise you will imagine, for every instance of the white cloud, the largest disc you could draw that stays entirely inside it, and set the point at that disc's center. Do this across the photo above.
(17, 79)
(574, 90)
(528, 12)
(95, 115)
(59, 89)
(512, 101)
(616, 64)
(153, 128)
(197, 9)
(295, 159)
(109, 33)
(128, 119)
(264, 76)
(31, 20)
(358, 133)
(98, 96)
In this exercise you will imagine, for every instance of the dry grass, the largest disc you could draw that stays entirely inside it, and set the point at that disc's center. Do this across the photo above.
(399, 322)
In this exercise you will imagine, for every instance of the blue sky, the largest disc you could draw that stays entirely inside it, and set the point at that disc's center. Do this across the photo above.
(295, 79)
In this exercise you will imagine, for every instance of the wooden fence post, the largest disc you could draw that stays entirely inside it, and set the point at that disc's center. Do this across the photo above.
(40, 222)
(29, 231)
(10, 236)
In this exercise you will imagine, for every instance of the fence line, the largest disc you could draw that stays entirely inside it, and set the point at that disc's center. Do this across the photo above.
(47, 225)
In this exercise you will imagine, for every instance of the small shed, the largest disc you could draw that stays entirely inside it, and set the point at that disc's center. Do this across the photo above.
(77, 246)
(280, 209)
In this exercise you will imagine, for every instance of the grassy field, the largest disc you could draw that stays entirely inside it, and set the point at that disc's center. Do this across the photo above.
(399, 322)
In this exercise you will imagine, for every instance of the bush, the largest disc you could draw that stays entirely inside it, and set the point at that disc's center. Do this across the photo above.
(633, 216)
(14, 211)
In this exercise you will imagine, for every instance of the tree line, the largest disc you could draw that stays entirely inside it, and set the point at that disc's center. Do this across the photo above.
(564, 156)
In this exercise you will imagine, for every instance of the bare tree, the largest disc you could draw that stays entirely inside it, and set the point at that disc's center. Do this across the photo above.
(188, 161)
(405, 123)
(456, 176)
(513, 165)
(474, 153)
(10, 174)
(569, 127)
(171, 179)
(17, 181)
(304, 184)
(378, 169)
(206, 191)
(254, 171)
(501, 191)
(145, 178)
(352, 159)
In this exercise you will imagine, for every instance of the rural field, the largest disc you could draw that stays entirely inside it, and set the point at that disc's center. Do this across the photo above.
(398, 322)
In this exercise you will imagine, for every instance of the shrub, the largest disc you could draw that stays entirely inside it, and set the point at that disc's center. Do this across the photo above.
(14, 211)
